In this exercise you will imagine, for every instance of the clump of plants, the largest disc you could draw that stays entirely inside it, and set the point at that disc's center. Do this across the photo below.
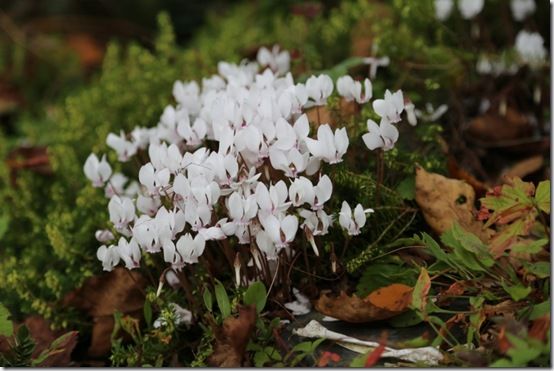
(215, 211)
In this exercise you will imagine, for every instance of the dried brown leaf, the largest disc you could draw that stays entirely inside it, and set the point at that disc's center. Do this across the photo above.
(101, 296)
(232, 338)
(444, 201)
(381, 304)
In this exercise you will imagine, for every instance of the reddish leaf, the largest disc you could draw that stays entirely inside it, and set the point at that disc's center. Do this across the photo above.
(327, 357)
(376, 354)
(540, 327)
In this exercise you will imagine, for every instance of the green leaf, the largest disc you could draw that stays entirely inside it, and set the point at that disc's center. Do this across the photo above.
(532, 247)
(503, 363)
(64, 343)
(406, 319)
(222, 300)
(208, 300)
(383, 274)
(539, 269)
(406, 188)
(261, 358)
(6, 326)
(359, 361)
(147, 313)
(517, 292)
(256, 294)
(316, 343)
(304, 347)
(421, 290)
(540, 310)
(273, 353)
(464, 242)
(4, 224)
(542, 196)
(521, 353)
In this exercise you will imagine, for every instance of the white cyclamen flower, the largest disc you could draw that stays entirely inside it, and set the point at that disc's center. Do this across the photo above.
(122, 211)
(470, 8)
(319, 89)
(431, 114)
(129, 252)
(382, 136)
(278, 61)
(530, 47)
(352, 223)
(116, 185)
(281, 231)
(328, 147)
(443, 8)
(186, 251)
(153, 180)
(301, 305)
(108, 256)
(352, 90)
(97, 171)
(521, 9)
(124, 148)
(410, 113)
(104, 235)
(390, 107)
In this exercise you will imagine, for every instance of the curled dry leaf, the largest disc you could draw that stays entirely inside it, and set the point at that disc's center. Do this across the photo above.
(444, 201)
(231, 339)
(523, 168)
(380, 304)
(101, 296)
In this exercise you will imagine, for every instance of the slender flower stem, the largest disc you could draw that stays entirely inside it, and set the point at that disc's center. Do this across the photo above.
(380, 174)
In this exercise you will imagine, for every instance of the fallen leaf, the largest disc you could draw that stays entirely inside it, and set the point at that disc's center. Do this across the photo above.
(443, 201)
(456, 289)
(494, 128)
(52, 347)
(524, 167)
(40, 331)
(231, 339)
(383, 303)
(101, 296)
(395, 298)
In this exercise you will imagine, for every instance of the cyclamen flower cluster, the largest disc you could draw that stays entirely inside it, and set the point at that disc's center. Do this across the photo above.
(263, 184)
